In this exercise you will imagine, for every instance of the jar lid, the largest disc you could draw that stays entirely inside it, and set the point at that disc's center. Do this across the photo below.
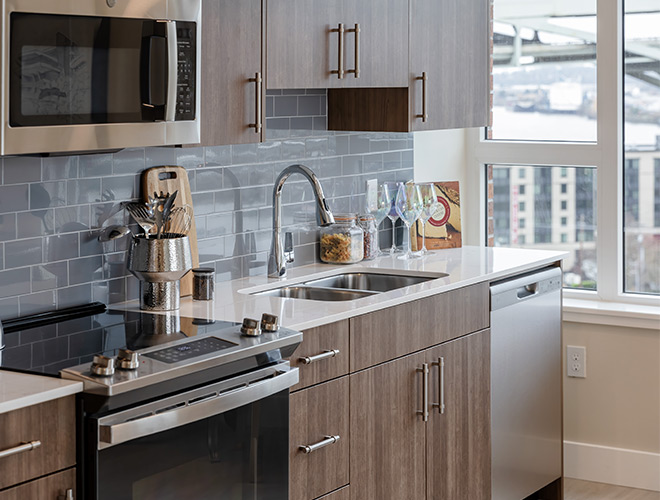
(345, 217)
(203, 270)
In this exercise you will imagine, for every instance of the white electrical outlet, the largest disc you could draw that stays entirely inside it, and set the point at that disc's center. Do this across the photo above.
(576, 361)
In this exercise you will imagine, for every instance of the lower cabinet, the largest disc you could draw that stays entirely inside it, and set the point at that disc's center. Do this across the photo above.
(318, 440)
(420, 425)
(60, 486)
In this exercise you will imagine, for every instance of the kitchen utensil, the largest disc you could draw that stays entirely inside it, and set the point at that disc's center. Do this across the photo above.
(159, 264)
(111, 233)
(143, 215)
(169, 179)
(179, 221)
(162, 207)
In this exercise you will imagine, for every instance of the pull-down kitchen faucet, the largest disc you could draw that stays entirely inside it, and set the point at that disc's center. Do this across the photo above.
(324, 217)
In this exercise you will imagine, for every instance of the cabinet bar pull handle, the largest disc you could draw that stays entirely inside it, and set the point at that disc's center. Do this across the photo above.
(257, 125)
(306, 360)
(340, 62)
(68, 495)
(327, 441)
(441, 385)
(425, 110)
(356, 30)
(424, 412)
(20, 449)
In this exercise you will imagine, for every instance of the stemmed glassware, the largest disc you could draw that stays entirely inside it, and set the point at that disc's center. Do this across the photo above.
(378, 205)
(408, 205)
(390, 190)
(429, 207)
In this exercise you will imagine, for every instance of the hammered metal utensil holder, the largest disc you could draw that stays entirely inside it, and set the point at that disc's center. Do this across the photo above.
(159, 264)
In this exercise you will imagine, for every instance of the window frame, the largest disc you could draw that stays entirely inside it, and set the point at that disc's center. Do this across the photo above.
(606, 155)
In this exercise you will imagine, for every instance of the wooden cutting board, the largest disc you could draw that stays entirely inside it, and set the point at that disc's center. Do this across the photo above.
(169, 179)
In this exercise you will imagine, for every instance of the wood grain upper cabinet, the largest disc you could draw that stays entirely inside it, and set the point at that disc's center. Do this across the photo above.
(449, 42)
(232, 87)
(458, 433)
(304, 43)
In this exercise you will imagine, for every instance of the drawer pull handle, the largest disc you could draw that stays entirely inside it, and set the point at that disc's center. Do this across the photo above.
(424, 412)
(340, 58)
(20, 449)
(68, 495)
(327, 441)
(307, 360)
(441, 385)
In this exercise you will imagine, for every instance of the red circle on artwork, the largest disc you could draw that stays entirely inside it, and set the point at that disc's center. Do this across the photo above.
(442, 212)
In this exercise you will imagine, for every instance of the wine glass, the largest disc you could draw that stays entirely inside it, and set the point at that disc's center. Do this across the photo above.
(409, 206)
(429, 207)
(378, 205)
(390, 190)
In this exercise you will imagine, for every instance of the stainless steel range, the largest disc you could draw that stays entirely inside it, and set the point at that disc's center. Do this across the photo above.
(173, 407)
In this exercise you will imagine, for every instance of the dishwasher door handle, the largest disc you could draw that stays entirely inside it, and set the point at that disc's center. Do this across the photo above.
(527, 290)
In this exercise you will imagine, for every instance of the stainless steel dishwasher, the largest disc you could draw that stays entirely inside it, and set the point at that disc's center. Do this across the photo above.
(526, 374)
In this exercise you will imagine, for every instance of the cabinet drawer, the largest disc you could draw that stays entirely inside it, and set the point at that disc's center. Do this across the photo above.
(384, 335)
(317, 357)
(47, 488)
(53, 425)
(315, 413)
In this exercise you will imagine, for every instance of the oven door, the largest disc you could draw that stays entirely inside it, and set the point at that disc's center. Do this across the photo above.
(77, 81)
(228, 440)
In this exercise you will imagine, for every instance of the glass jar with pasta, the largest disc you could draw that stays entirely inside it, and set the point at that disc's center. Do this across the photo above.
(342, 242)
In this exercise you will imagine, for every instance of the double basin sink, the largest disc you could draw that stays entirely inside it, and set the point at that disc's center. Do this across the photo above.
(347, 286)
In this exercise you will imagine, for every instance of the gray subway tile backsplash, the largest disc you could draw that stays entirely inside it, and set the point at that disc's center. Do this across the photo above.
(51, 208)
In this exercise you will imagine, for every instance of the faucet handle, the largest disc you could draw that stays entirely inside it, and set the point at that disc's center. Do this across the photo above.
(289, 255)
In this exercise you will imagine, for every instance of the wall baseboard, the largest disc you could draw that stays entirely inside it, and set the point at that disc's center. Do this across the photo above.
(619, 466)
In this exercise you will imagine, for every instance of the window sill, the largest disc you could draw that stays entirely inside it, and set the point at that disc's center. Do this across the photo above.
(599, 312)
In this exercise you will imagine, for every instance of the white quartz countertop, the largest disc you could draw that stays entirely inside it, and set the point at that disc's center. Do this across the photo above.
(18, 390)
(464, 266)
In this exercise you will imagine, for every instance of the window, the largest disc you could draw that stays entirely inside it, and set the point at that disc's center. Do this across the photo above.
(544, 70)
(641, 183)
(618, 181)
(521, 189)
(521, 206)
(521, 173)
(543, 225)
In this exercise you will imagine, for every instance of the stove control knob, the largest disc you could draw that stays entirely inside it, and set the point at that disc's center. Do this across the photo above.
(250, 328)
(128, 360)
(269, 323)
(103, 366)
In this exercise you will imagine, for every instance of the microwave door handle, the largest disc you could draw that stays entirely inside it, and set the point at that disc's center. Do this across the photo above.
(172, 71)
(114, 434)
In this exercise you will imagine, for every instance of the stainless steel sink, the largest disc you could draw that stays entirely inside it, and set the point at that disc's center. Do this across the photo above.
(347, 286)
(372, 282)
(312, 293)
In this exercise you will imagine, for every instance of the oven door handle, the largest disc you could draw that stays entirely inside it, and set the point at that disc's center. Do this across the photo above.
(114, 434)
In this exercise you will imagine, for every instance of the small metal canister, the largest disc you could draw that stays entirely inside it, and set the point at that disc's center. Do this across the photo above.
(203, 283)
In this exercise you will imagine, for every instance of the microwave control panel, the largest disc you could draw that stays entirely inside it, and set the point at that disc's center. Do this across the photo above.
(186, 50)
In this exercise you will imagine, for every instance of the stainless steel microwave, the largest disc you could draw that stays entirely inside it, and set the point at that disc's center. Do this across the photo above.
(84, 75)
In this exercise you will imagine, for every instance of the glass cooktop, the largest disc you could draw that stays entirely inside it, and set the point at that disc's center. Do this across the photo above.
(46, 344)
